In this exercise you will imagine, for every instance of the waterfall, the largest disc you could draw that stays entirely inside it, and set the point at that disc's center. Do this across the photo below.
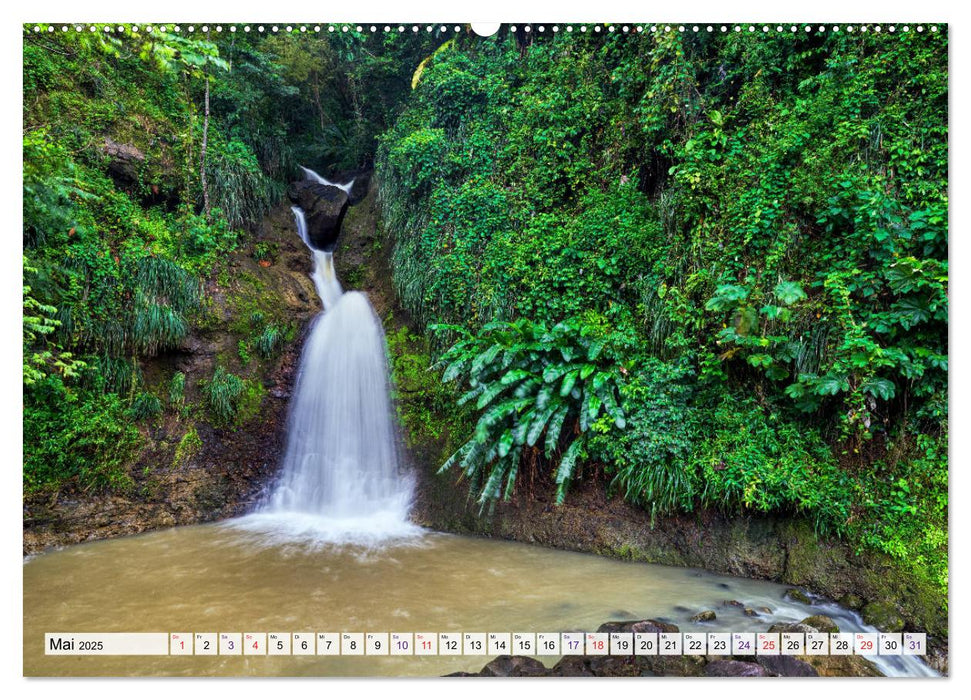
(324, 276)
(311, 175)
(341, 478)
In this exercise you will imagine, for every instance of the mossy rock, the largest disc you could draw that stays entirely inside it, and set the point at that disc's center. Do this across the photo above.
(798, 596)
(842, 666)
(883, 616)
(821, 623)
(704, 616)
(852, 601)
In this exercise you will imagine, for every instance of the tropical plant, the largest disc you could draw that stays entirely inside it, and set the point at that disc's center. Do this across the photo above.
(529, 381)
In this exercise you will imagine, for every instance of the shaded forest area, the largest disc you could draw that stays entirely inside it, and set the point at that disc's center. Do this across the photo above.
(707, 270)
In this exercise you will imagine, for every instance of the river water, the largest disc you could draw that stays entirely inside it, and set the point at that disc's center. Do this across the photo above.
(254, 575)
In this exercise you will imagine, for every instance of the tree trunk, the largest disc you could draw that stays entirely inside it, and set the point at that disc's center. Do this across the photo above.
(202, 164)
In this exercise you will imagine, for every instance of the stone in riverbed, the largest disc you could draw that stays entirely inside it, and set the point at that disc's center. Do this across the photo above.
(732, 604)
(851, 601)
(514, 667)
(843, 666)
(798, 596)
(792, 627)
(883, 616)
(787, 666)
(704, 616)
(749, 612)
(653, 626)
(572, 666)
(725, 668)
(821, 623)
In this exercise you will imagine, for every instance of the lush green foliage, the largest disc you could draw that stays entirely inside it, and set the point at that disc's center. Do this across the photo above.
(120, 224)
(77, 438)
(532, 382)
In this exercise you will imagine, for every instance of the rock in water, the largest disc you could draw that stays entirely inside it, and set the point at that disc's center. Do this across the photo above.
(324, 207)
(883, 616)
(704, 616)
(787, 666)
(513, 666)
(725, 668)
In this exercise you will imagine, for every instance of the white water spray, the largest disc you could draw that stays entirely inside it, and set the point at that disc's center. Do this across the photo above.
(341, 479)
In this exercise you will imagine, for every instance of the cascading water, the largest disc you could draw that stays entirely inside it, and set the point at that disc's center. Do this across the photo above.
(341, 479)
(311, 175)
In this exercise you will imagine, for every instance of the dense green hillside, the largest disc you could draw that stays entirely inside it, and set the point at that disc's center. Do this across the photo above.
(713, 266)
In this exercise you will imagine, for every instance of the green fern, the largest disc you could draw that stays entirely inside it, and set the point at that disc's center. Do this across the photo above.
(527, 380)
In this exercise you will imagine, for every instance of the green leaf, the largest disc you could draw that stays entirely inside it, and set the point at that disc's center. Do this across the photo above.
(553, 431)
(513, 376)
(539, 422)
(564, 473)
(568, 381)
(491, 392)
(554, 372)
(506, 441)
(596, 347)
(484, 359)
(789, 293)
(881, 388)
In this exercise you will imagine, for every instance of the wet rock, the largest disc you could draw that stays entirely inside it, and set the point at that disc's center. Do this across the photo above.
(821, 623)
(617, 626)
(678, 666)
(792, 627)
(883, 616)
(787, 666)
(732, 604)
(937, 656)
(724, 586)
(798, 596)
(704, 616)
(324, 207)
(572, 666)
(513, 666)
(764, 609)
(750, 612)
(653, 626)
(616, 666)
(842, 666)
(724, 668)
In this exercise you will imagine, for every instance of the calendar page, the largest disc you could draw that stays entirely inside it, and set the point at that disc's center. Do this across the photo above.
(523, 349)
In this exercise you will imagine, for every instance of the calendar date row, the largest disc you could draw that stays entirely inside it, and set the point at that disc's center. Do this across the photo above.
(484, 643)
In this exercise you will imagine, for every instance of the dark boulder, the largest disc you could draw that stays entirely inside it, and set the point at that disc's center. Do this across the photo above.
(124, 161)
(798, 596)
(573, 667)
(787, 666)
(359, 181)
(513, 666)
(725, 668)
(822, 623)
(323, 207)
(704, 616)
(653, 626)
(883, 616)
